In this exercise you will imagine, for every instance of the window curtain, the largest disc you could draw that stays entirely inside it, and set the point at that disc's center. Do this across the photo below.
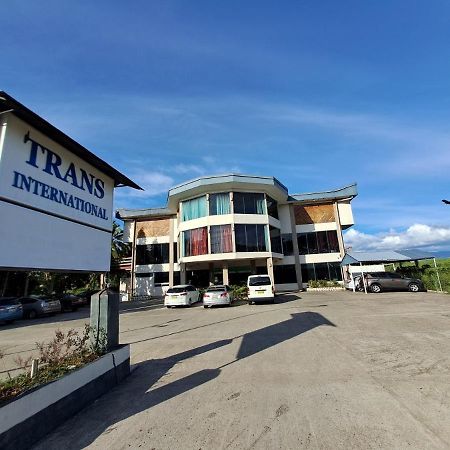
(219, 204)
(260, 204)
(221, 240)
(194, 208)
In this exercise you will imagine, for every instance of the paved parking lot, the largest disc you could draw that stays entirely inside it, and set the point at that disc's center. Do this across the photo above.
(318, 370)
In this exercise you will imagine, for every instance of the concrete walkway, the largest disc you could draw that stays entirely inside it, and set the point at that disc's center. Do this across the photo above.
(330, 370)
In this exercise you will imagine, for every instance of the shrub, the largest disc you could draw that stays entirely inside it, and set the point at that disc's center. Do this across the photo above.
(64, 353)
(239, 292)
(322, 283)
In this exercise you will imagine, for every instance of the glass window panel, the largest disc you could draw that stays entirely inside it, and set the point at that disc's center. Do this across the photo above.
(322, 271)
(272, 207)
(312, 243)
(302, 244)
(152, 254)
(284, 274)
(245, 203)
(288, 248)
(322, 242)
(333, 243)
(221, 240)
(250, 238)
(194, 208)
(335, 271)
(219, 204)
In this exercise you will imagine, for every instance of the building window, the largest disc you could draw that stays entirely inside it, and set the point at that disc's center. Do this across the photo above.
(219, 204)
(160, 278)
(275, 240)
(194, 242)
(288, 247)
(250, 238)
(249, 203)
(284, 274)
(194, 208)
(221, 240)
(152, 254)
(272, 207)
(321, 271)
(318, 242)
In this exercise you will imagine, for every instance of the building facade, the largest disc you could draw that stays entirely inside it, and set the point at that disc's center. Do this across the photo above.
(220, 229)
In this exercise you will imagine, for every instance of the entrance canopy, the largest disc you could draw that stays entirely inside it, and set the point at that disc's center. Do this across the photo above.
(384, 257)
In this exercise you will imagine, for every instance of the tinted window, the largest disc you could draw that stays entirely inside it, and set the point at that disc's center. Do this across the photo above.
(250, 238)
(177, 290)
(284, 274)
(152, 254)
(272, 207)
(394, 275)
(259, 281)
(249, 203)
(288, 248)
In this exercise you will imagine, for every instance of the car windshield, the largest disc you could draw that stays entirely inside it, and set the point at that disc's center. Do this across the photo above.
(177, 290)
(259, 281)
(216, 289)
(8, 301)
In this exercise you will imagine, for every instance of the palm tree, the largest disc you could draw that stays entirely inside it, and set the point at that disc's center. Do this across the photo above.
(119, 249)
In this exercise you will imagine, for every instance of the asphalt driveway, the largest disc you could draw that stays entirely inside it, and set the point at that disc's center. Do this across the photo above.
(320, 370)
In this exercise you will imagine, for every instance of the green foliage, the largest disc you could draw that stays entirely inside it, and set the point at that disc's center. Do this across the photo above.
(64, 353)
(427, 273)
(322, 283)
(239, 292)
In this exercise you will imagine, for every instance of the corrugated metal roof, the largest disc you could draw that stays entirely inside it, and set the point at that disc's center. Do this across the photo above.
(385, 256)
(148, 212)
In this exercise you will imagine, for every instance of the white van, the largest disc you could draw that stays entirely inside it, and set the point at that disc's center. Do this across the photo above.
(260, 289)
(182, 295)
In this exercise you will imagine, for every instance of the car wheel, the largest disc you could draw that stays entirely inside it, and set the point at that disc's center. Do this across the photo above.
(413, 287)
(205, 306)
(32, 314)
(375, 288)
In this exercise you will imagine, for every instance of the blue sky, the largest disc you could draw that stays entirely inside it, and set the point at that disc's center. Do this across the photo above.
(318, 94)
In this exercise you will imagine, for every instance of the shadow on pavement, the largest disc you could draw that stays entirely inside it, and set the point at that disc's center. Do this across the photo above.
(135, 394)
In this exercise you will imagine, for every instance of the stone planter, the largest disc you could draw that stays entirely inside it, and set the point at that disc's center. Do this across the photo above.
(29, 417)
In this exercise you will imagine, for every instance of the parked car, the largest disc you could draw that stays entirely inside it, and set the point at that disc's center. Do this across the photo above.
(217, 295)
(39, 305)
(184, 294)
(71, 302)
(377, 282)
(10, 309)
(260, 289)
(86, 295)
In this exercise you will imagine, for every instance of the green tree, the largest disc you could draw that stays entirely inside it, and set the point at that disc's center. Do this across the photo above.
(119, 249)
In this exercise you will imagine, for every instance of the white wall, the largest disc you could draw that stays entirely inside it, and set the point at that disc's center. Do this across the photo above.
(346, 214)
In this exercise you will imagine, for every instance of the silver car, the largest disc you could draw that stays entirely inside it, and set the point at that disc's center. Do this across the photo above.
(35, 306)
(217, 295)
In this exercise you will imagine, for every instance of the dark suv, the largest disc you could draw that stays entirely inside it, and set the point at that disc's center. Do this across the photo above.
(389, 281)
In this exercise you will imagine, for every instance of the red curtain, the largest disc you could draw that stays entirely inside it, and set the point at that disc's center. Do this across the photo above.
(199, 241)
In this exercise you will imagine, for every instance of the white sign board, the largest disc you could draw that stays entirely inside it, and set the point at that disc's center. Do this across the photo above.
(56, 209)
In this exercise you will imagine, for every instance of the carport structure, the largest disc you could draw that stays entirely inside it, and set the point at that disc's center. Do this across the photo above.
(387, 257)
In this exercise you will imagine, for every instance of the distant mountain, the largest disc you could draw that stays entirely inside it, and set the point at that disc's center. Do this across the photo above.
(442, 254)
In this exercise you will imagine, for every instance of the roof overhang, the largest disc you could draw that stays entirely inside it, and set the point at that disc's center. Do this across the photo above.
(229, 182)
(344, 193)
(384, 257)
(142, 214)
(10, 105)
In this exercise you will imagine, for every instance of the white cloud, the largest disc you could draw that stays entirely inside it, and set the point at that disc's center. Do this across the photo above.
(153, 183)
(416, 236)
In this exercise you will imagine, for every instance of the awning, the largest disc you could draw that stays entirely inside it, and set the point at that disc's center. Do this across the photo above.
(384, 257)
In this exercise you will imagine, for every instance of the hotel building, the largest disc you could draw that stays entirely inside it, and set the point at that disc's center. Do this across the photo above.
(220, 229)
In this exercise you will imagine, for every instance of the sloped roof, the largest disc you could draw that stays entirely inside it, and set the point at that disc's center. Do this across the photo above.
(385, 256)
